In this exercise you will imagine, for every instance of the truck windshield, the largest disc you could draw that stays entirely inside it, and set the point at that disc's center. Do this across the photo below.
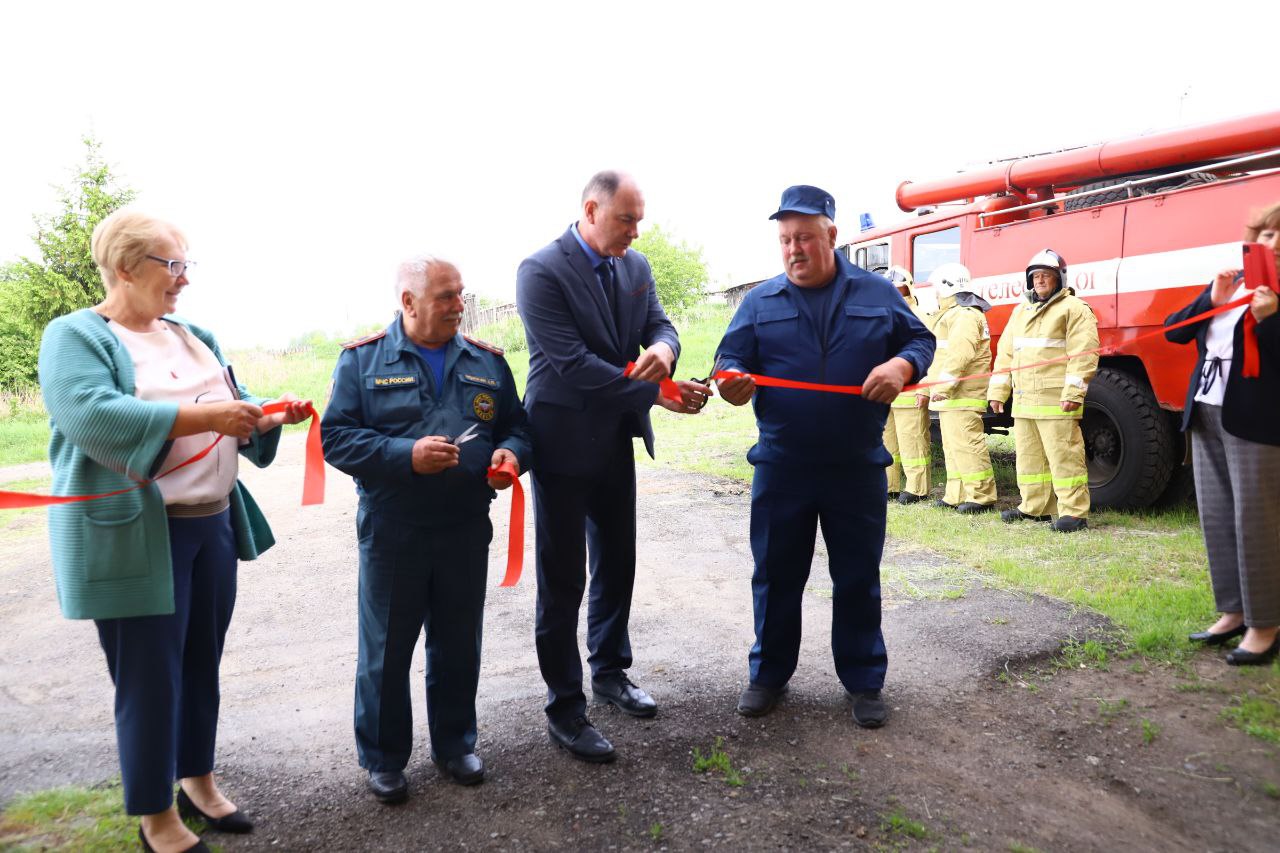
(932, 250)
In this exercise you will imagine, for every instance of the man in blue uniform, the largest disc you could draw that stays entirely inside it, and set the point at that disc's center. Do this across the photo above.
(820, 457)
(417, 415)
(589, 304)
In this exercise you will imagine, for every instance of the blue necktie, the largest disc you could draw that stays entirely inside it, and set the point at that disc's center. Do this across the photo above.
(605, 271)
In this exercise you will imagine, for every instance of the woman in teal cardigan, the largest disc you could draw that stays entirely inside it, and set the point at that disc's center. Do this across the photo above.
(131, 393)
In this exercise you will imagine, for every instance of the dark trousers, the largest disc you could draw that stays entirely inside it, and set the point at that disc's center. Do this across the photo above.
(574, 516)
(787, 503)
(165, 668)
(415, 579)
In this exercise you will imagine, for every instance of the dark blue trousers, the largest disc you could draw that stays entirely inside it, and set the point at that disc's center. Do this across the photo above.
(574, 515)
(413, 579)
(165, 668)
(787, 503)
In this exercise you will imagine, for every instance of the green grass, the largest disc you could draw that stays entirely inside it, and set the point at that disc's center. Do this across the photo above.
(1150, 731)
(90, 819)
(1256, 715)
(717, 761)
(897, 823)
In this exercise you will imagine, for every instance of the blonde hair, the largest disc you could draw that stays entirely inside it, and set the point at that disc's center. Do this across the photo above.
(125, 238)
(1266, 219)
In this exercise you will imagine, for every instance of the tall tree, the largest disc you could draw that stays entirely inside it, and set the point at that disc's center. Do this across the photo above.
(678, 269)
(64, 278)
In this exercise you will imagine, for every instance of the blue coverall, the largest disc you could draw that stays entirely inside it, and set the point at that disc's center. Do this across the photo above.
(820, 457)
(424, 538)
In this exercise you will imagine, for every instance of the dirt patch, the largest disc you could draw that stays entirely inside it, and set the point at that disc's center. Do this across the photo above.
(989, 745)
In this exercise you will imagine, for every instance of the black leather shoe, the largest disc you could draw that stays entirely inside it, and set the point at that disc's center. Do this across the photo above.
(235, 822)
(198, 847)
(582, 739)
(758, 700)
(1209, 638)
(1239, 657)
(465, 769)
(389, 786)
(971, 508)
(906, 498)
(869, 710)
(1009, 516)
(941, 504)
(618, 690)
(1069, 524)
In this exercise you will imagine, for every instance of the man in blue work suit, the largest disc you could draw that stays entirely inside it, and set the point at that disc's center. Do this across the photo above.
(417, 415)
(819, 456)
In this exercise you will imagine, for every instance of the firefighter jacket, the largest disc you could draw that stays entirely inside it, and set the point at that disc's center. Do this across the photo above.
(964, 348)
(908, 400)
(1037, 331)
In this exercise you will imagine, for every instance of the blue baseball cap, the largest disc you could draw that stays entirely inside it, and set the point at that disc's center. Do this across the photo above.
(806, 199)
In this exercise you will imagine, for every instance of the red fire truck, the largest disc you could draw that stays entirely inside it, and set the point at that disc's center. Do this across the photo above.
(1144, 224)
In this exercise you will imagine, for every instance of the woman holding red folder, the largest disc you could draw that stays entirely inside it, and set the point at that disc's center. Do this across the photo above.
(133, 392)
(1234, 419)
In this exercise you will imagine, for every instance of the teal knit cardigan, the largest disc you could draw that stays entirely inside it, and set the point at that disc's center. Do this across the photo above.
(111, 556)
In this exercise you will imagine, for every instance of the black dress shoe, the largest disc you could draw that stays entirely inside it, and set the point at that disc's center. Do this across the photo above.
(389, 786)
(971, 508)
(235, 822)
(465, 769)
(758, 700)
(1209, 638)
(869, 710)
(198, 847)
(1009, 516)
(582, 739)
(1239, 657)
(1069, 524)
(905, 498)
(618, 690)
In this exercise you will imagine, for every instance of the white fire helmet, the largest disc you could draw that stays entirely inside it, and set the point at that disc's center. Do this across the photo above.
(899, 277)
(1048, 259)
(951, 279)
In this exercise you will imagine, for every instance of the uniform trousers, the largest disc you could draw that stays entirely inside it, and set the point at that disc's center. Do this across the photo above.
(165, 668)
(788, 501)
(577, 515)
(414, 580)
(1052, 477)
(906, 437)
(970, 477)
(1238, 493)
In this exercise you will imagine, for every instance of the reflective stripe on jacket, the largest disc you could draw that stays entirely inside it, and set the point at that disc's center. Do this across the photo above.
(1063, 325)
(964, 348)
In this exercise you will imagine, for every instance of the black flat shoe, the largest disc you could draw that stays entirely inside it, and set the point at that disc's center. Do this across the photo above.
(1239, 657)
(1209, 638)
(236, 822)
(389, 786)
(757, 700)
(465, 769)
(198, 847)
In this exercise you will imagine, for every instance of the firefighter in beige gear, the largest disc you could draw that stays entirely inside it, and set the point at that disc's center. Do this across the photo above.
(906, 432)
(964, 349)
(1048, 400)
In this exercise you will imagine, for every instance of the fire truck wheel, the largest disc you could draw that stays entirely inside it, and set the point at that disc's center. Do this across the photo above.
(1128, 440)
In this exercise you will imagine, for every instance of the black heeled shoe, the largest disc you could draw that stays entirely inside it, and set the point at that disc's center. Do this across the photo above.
(1240, 657)
(236, 822)
(198, 847)
(1209, 638)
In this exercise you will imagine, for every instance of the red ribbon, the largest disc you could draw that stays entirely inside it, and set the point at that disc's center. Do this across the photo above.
(667, 387)
(775, 382)
(312, 480)
(1259, 271)
(515, 530)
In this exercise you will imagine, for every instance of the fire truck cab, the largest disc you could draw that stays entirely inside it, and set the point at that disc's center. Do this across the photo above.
(1143, 224)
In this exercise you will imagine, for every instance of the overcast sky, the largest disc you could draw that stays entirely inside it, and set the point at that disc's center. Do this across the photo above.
(306, 147)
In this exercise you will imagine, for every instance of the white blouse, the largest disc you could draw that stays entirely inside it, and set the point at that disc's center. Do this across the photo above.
(1218, 352)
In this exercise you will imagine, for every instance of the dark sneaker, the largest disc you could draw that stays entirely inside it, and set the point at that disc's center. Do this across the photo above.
(971, 508)
(941, 504)
(1009, 516)
(1069, 524)
(869, 710)
(906, 498)
(758, 700)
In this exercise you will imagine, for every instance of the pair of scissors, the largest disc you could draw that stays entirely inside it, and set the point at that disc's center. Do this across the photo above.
(466, 436)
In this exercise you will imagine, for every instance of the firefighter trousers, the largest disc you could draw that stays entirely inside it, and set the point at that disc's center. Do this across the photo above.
(970, 477)
(1052, 477)
(906, 437)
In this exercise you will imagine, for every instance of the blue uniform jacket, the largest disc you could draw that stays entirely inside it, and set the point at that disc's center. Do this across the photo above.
(383, 400)
(868, 323)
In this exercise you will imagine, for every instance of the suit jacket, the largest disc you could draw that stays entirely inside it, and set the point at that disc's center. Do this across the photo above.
(1248, 405)
(578, 401)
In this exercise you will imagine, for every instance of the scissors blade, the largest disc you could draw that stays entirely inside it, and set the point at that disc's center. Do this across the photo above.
(468, 435)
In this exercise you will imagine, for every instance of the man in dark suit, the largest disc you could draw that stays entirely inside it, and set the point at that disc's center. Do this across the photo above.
(589, 304)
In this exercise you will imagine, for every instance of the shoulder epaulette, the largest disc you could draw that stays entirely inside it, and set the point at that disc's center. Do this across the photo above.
(367, 339)
(485, 345)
